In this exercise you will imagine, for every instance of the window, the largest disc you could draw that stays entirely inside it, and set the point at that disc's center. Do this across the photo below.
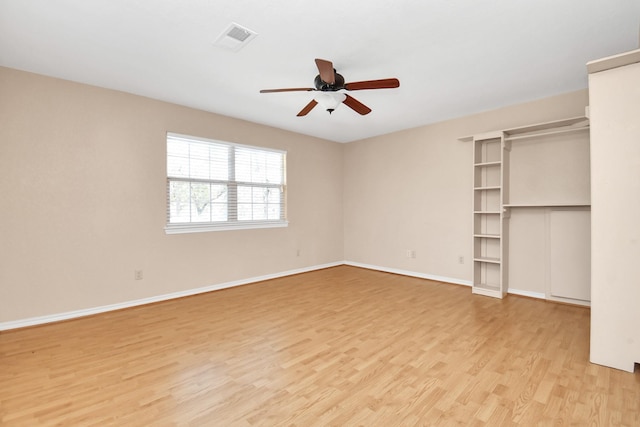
(216, 185)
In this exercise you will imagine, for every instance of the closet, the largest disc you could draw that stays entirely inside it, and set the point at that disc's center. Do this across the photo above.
(531, 211)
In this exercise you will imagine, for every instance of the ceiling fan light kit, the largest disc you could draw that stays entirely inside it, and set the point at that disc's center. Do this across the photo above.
(329, 82)
(330, 100)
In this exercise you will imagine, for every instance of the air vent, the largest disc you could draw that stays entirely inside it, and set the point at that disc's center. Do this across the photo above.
(235, 37)
(238, 33)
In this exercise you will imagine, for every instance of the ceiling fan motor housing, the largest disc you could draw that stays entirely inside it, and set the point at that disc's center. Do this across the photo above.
(326, 87)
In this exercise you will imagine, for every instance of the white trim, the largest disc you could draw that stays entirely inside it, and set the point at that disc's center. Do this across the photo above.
(531, 294)
(571, 301)
(180, 228)
(492, 292)
(410, 273)
(615, 61)
(230, 180)
(189, 138)
(443, 279)
(40, 320)
(543, 296)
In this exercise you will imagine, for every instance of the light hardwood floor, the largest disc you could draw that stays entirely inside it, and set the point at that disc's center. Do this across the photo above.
(337, 347)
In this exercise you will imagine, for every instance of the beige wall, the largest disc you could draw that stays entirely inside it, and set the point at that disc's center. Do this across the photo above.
(83, 200)
(63, 143)
(412, 190)
(615, 219)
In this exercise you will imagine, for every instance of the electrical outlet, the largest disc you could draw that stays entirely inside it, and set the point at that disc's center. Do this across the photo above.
(298, 252)
(137, 275)
(411, 253)
(460, 259)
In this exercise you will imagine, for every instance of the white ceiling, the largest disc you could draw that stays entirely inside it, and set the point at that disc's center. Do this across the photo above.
(452, 57)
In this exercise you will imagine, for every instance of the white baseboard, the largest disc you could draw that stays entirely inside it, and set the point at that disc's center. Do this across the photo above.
(410, 273)
(530, 294)
(34, 321)
(439, 278)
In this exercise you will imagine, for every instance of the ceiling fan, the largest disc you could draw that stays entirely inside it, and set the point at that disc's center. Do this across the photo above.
(329, 82)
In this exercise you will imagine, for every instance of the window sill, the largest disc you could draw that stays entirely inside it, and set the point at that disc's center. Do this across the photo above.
(240, 225)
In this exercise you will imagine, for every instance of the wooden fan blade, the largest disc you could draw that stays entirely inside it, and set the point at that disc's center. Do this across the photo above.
(356, 105)
(293, 89)
(327, 74)
(373, 84)
(307, 108)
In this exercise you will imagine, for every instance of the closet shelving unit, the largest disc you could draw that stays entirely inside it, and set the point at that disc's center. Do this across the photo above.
(490, 164)
(491, 207)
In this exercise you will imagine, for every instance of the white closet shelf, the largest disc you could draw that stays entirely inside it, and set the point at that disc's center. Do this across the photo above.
(546, 133)
(548, 128)
(487, 236)
(492, 260)
(545, 205)
(490, 187)
(541, 129)
(487, 212)
(487, 290)
(485, 164)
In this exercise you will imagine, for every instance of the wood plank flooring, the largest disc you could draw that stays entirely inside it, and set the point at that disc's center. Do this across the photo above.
(337, 347)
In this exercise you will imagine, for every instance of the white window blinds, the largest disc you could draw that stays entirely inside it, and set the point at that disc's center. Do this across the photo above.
(216, 185)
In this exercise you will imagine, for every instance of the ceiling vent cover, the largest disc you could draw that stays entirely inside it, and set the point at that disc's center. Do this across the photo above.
(235, 37)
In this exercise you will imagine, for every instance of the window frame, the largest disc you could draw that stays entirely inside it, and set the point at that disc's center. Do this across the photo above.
(232, 223)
